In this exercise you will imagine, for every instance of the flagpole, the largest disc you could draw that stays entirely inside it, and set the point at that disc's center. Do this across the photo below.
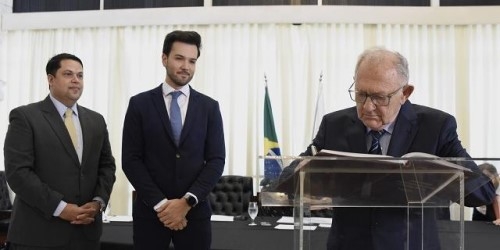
(266, 92)
(262, 132)
(318, 100)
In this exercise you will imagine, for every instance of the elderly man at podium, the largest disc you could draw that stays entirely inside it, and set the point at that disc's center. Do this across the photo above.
(385, 122)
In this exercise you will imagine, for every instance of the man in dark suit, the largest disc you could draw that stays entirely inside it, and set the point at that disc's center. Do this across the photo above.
(172, 168)
(62, 176)
(381, 93)
(489, 212)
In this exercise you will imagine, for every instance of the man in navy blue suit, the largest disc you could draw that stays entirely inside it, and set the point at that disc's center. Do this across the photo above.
(381, 91)
(173, 168)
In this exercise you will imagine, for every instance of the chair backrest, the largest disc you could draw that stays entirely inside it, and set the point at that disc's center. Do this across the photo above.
(231, 195)
(5, 203)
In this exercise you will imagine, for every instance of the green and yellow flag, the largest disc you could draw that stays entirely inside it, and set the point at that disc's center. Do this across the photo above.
(272, 167)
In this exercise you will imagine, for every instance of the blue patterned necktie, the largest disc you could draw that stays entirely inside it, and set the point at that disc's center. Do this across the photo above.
(366, 188)
(375, 147)
(175, 116)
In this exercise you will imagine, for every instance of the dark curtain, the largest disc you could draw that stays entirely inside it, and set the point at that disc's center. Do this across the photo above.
(379, 2)
(19, 6)
(125, 4)
(469, 2)
(262, 2)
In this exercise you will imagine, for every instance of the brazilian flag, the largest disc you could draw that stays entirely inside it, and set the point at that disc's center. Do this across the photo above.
(272, 167)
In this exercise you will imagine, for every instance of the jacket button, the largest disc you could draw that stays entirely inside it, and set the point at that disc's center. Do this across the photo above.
(177, 156)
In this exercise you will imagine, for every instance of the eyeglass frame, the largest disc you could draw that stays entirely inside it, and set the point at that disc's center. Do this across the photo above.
(388, 96)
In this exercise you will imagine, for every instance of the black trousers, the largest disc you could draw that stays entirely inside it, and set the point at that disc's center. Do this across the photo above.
(78, 241)
(152, 235)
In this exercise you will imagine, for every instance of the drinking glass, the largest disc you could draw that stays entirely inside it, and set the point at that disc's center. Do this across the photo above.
(253, 210)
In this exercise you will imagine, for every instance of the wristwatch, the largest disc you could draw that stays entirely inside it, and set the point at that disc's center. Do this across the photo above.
(191, 201)
(102, 206)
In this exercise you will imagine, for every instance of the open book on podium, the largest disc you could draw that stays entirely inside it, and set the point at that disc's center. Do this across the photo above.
(354, 179)
(424, 160)
(416, 186)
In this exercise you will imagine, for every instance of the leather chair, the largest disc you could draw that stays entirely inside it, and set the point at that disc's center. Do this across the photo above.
(5, 207)
(231, 195)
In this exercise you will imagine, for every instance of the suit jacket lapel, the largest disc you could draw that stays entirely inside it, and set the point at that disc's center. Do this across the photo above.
(356, 136)
(159, 104)
(404, 131)
(190, 114)
(54, 119)
(86, 125)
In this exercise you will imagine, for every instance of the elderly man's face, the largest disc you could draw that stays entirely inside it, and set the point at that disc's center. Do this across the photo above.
(380, 78)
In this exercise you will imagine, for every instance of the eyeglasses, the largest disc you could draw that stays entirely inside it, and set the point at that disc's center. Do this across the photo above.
(378, 100)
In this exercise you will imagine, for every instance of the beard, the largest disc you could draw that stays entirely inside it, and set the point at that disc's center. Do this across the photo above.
(180, 79)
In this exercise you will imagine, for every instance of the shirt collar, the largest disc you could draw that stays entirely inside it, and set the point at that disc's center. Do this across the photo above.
(61, 108)
(167, 89)
(389, 128)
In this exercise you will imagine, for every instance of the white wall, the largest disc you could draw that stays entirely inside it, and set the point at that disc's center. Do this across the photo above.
(6, 6)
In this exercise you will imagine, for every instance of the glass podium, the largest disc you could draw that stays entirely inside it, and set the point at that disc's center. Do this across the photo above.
(417, 186)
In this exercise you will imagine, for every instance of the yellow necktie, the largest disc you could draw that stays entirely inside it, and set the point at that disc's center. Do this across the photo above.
(70, 126)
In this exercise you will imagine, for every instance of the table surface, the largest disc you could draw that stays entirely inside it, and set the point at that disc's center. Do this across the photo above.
(238, 235)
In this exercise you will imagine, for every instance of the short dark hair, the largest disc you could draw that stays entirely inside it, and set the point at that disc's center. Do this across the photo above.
(55, 62)
(189, 37)
(489, 168)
